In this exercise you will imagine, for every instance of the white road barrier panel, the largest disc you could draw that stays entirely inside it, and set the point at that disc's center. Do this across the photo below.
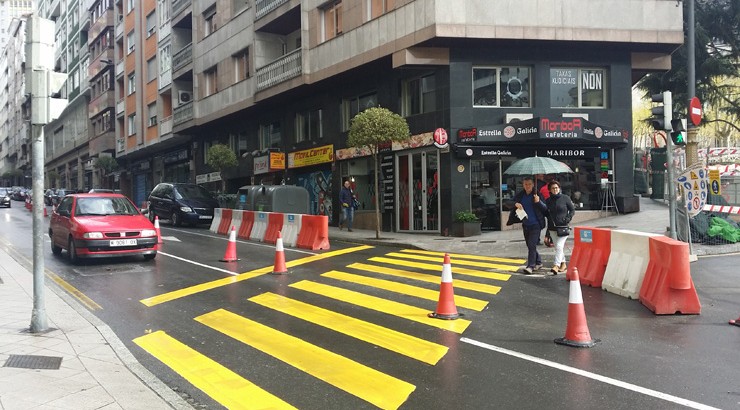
(236, 219)
(216, 220)
(628, 261)
(291, 228)
(726, 209)
(260, 226)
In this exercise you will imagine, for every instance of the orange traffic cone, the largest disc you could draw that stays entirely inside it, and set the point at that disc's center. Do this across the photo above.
(230, 254)
(446, 308)
(576, 330)
(735, 322)
(156, 228)
(279, 267)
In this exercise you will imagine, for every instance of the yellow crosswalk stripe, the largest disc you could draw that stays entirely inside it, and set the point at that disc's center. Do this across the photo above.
(180, 293)
(466, 256)
(377, 388)
(382, 305)
(402, 288)
(464, 262)
(423, 277)
(390, 339)
(226, 387)
(455, 269)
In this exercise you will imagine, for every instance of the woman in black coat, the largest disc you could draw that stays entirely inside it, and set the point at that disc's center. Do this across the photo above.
(560, 211)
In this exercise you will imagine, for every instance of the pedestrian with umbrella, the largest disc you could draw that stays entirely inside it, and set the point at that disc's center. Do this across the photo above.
(528, 201)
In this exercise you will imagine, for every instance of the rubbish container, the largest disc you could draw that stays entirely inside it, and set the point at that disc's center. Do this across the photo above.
(287, 199)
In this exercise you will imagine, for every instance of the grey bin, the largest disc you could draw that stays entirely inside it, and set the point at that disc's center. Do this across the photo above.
(287, 199)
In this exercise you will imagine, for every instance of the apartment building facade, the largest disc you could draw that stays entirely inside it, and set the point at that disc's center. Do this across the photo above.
(280, 80)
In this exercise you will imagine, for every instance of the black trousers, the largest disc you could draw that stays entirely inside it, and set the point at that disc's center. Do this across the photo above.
(531, 237)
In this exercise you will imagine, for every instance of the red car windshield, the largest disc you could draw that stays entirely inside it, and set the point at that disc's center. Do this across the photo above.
(104, 206)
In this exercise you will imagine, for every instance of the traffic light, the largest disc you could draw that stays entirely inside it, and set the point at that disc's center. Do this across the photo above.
(678, 135)
(662, 114)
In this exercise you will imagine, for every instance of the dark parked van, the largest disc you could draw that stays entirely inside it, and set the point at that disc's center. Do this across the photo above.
(181, 203)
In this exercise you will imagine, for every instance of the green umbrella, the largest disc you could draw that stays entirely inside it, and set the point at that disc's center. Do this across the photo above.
(537, 165)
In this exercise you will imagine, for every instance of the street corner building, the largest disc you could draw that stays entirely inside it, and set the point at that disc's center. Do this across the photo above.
(158, 83)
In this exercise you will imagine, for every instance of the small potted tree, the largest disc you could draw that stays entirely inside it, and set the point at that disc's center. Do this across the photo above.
(465, 223)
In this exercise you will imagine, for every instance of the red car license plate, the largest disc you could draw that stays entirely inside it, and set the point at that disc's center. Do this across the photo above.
(123, 242)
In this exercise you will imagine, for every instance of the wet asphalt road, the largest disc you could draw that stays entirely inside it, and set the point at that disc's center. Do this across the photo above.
(506, 358)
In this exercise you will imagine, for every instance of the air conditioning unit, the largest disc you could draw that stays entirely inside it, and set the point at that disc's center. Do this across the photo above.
(516, 117)
(184, 97)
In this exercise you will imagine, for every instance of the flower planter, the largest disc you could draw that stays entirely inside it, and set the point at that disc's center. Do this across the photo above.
(463, 229)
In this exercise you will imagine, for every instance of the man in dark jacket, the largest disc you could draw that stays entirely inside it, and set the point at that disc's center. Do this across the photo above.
(347, 199)
(529, 201)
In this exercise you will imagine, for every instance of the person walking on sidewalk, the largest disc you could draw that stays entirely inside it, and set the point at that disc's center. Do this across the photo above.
(529, 201)
(560, 211)
(347, 199)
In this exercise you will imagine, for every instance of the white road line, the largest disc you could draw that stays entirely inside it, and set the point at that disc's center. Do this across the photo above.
(198, 263)
(594, 376)
(226, 238)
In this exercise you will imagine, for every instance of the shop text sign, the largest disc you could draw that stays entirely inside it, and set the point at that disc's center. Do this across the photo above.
(311, 156)
(545, 128)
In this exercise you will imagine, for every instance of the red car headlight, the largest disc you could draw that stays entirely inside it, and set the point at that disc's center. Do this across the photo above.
(93, 235)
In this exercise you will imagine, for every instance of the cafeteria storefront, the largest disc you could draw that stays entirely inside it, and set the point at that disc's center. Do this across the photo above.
(589, 149)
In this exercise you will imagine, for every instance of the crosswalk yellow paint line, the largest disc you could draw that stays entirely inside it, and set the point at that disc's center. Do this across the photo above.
(191, 290)
(384, 337)
(223, 385)
(402, 288)
(382, 305)
(423, 277)
(377, 388)
(498, 266)
(455, 269)
(466, 256)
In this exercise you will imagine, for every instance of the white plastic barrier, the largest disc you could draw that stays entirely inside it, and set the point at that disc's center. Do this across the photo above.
(291, 228)
(216, 220)
(628, 261)
(236, 219)
(260, 226)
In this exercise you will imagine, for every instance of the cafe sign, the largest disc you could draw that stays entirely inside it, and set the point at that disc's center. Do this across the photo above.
(313, 156)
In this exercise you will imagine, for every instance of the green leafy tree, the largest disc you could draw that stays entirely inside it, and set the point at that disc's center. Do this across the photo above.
(370, 129)
(717, 58)
(219, 158)
(106, 165)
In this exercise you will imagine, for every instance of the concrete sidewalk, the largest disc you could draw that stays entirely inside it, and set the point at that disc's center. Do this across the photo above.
(96, 371)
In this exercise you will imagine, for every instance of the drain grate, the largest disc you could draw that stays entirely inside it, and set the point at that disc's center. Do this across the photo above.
(23, 361)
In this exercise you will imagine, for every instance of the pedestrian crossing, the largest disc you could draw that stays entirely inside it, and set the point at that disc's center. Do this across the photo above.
(363, 302)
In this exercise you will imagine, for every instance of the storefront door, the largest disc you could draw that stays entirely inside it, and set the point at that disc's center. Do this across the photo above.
(418, 191)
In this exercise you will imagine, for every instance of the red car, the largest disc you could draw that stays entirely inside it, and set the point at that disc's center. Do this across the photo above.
(101, 225)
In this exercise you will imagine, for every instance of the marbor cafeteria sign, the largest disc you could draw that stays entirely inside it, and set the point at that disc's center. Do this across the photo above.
(544, 128)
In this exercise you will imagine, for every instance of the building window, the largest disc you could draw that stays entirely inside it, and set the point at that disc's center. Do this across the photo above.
(376, 8)
(131, 124)
(578, 87)
(152, 111)
(130, 42)
(332, 20)
(269, 136)
(308, 126)
(151, 24)
(131, 83)
(165, 59)
(418, 95)
(151, 69)
(211, 81)
(501, 86)
(238, 143)
(163, 9)
(355, 105)
(209, 21)
(241, 65)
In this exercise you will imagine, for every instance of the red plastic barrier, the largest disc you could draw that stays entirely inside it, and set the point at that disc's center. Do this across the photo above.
(590, 254)
(225, 226)
(245, 229)
(667, 287)
(274, 226)
(314, 232)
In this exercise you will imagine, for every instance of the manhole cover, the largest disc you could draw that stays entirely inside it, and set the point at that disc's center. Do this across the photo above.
(23, 361)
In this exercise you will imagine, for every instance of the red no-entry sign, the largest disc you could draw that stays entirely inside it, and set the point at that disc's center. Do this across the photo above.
(695, 111)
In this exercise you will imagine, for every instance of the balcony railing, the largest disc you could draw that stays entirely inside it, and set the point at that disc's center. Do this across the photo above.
(182, 57)
(263, 7)
(178, 5)
(165, 79)
(182, 113)
(120, 106)
(165, 126)
(282, 69)
(119, 68)
(119, 28)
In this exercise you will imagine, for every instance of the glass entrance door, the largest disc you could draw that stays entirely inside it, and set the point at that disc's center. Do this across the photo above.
(418, 191)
